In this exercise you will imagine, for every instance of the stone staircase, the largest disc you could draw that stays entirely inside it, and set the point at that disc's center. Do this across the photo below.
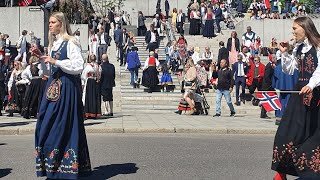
(135, 101)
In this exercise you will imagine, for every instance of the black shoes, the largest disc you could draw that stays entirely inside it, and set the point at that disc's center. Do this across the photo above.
(178, 112)
(216, 115)
(232, 114)
(243, 101)
(265, 117)
(237, 103)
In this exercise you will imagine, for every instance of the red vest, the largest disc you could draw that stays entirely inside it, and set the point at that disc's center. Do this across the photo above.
(152, 61)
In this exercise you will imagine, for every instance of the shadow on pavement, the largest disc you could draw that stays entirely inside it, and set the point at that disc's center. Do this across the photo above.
(16, 123)
(5, 172)
(91, 124)
(108, 171)
(2, 144)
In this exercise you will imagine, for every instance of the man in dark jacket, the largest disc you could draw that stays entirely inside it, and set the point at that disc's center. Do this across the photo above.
(152, 39)
(267, 82)
(219, 17)
(180, 21)
(116, 37)
(224, 87)
(223, 54)
(107, 83)
(239, 71)
(122, 45)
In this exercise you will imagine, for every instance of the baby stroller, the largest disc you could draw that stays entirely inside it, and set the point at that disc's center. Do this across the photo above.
(201, 103)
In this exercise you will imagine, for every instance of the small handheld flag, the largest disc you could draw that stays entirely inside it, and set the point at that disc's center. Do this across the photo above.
(269, 100)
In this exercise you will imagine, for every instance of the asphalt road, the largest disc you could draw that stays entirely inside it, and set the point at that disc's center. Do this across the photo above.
(155, 156)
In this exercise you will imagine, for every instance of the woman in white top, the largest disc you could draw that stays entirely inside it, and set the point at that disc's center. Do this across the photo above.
(93, 43)
(61, 148)
(91, 96)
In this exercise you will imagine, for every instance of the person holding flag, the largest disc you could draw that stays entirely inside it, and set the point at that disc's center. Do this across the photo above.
(297, 142)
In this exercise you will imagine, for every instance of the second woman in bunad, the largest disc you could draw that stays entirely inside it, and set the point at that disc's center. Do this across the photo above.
(33, 76)
(150, 74)
(91, 97)
(93, 43)
(61, 150)
(16, 90)
(208, 30)
(296, 149)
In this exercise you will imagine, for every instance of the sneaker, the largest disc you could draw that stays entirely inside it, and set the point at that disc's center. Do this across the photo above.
(216, 115)
(232, 114)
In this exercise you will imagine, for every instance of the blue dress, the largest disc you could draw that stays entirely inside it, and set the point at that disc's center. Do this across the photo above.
(61, 148)
(283, 82)
(166, 78)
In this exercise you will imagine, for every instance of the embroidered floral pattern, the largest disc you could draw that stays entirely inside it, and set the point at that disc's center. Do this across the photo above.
(309, 64)
(289, 156)
(53, 91)
(307, 99)
(284, 157)
(52, 162)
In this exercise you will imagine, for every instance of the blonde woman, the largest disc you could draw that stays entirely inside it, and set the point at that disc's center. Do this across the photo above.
(61, 148)
(174, 15)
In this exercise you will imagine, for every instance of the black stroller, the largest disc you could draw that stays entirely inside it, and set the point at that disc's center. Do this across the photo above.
(201, 103)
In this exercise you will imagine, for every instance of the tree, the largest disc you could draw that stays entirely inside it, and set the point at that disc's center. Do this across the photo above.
(101, 6)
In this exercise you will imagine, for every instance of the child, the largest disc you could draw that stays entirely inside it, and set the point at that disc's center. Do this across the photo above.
(166, 78)
(167, 51)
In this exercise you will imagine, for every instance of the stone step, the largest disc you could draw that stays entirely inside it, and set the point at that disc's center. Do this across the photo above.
(140, 93)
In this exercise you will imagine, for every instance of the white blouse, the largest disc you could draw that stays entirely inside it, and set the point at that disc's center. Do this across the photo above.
(74, 63)
(26, 74)
(290, 63)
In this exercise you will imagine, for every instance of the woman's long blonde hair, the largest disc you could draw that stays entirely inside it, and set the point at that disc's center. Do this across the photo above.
(65, 31)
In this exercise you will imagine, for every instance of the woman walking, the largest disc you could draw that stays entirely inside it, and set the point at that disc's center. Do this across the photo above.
(297, 141)
(61, 149)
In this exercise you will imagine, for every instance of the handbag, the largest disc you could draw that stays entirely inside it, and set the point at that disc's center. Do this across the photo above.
(12, 108)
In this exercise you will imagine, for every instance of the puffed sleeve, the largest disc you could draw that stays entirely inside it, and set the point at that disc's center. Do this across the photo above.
(157, 62)
(74, 63)
(84, 75)
(146, 64)
(315, 79)
(10, 82)
(289, 63)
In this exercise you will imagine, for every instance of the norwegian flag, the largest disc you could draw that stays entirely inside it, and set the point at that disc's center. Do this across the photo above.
(25, 2)
(269, 100)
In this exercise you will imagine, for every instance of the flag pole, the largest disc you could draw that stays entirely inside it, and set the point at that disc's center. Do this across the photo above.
(277, 91)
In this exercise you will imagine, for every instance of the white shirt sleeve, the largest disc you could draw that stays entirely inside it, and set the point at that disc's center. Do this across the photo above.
(289, 63)
(157, 62)
(10, 82)
(146, 64)
(84, 75)
(315, 79)
(73, 65)
(26, 75)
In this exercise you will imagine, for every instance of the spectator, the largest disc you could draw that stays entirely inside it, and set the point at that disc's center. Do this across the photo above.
(174, 15)
(224, 84)
(218, 17)
(141, 25)
(103, 41)
(167, 8)
(273, 46)
(150, 74)
(255, 75)
(248, 38)
(152, 39)
(257, 47)
(246, 56)
(239, 71)
(223, 54)
(233, 47)
(208, 30)
(190, 85)
(116, 37)
(91, 97)
(134, 64)
(194, 22)
(22, 48)
(107, 84)
(123, 39)
(93, 43)
(180, 22)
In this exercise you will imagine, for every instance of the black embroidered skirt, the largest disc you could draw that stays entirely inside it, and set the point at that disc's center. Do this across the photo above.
(150, 77)
(32, 98)
(92, 105)
(296, 148)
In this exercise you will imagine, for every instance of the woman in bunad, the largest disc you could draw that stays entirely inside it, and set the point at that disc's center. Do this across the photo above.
(61, 149)
(208, 30)
(207, 57)
(91, 97)
(194, 23)
(182, 46)
(93, 43)
(297, 142)
(150, 74)
(16, 90)
(33, 76)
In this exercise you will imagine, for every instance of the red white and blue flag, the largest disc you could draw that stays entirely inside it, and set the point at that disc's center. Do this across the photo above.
(269, 100)
(25, 2)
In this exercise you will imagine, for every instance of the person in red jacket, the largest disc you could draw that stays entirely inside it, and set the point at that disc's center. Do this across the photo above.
(255, 75)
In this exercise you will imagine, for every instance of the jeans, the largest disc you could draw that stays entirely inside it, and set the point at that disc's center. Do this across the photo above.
(134, 75)
(102, 49)
(227, 96)
(240, 81)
